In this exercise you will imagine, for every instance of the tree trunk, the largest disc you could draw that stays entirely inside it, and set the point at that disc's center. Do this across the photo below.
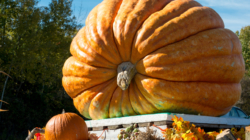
(5, 83)
(4, 90)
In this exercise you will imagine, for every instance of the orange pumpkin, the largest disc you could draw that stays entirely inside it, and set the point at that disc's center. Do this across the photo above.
(66, 126)
(149, 56)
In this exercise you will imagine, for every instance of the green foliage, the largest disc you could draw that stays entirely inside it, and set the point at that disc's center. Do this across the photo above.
(243, 103)
(34, 44)
(244, 37)
(36, 39)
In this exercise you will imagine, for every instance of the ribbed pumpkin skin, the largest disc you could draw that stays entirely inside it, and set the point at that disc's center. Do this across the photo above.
(67, 126)
(186, 61)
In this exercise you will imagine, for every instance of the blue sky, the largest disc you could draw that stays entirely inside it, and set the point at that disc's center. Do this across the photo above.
(235, 13)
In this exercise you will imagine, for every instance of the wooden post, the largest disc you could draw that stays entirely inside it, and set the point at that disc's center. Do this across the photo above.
(247, 132)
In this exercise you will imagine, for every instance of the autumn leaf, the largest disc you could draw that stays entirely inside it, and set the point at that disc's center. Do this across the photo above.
(183, 130)
(176, 119)
(213, 134)
(239, 135)
(189, 136)
(168, 133)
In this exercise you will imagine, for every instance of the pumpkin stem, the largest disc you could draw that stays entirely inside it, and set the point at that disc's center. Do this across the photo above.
(126, 72)
(63, 111)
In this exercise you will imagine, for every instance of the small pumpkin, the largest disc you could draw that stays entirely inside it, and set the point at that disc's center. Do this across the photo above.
(66, 126)
(148, 56)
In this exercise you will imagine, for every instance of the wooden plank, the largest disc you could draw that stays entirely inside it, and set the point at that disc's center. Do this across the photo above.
(144, 124)
(158, 123)
(247, 133)
(163, 123)
(169, 126)
(224, 126)
(217, 125)
(126, 125)
(170, 122)
(206, 125)
(113, 127)
(99, 128)
(167, 117)
(225, 135)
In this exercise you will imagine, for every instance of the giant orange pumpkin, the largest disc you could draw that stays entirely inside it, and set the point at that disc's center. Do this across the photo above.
(66, 126)
(149, 56)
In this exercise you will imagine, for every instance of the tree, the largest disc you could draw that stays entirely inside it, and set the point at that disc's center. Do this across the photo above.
(34, 44)
(1, 100)
(243, 103)
(244, 36)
